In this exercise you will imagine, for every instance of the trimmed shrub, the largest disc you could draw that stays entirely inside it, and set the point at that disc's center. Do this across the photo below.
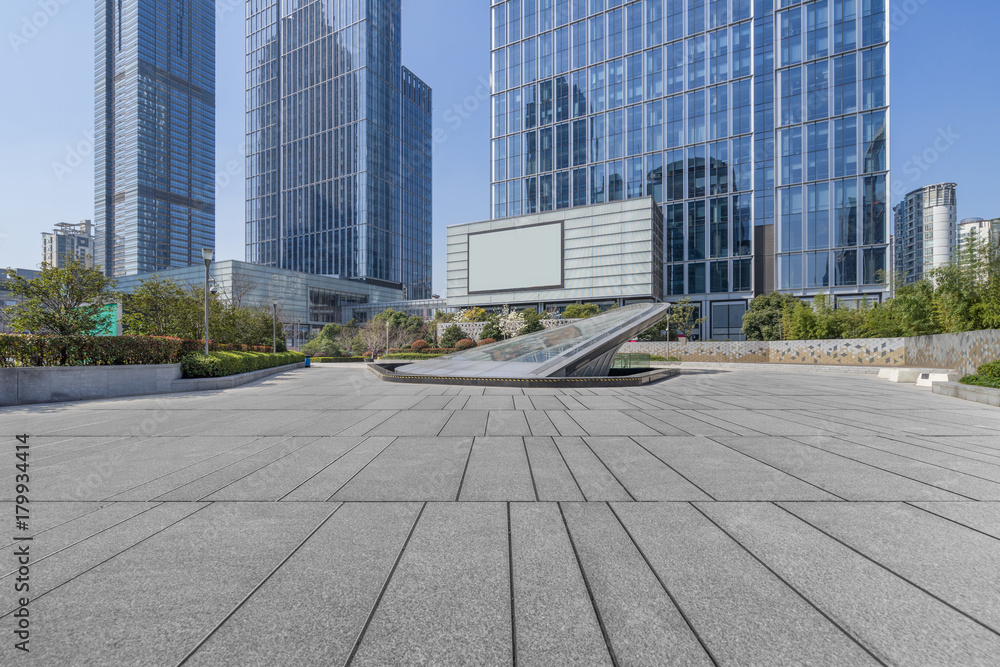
(336, 360)
(486, 341)
(981, 381)
(222, 364)
(415, 356)
(438, 350)
(452, 335)
(465, 344)
(990, 370)
(31, 350)
(419, 345)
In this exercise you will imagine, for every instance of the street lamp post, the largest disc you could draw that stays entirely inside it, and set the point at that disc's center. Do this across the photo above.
(274, 325)
(387, 336)
(206, 254)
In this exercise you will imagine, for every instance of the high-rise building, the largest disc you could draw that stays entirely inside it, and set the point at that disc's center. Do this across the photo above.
(69, 241)
(338, 144)
(154, 134)
(925, 231)
(984, 230)
(760, 127)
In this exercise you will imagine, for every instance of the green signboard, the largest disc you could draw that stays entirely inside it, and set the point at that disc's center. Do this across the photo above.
(110, 322)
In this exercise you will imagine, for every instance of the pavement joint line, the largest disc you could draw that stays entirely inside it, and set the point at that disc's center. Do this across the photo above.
(783, 472)
(679, 474)
(269, 463)
(70, 546)
(360, 442)
(969, 616)
(510, 571)
(949, 519)
(362, 469)
(966, 447)
(531, 473)
(568, 468)
(385, 587)
(89, 569)
(590, 590)
(212, 472)
(663, 585)
(257, 587)
(461, 482)
(105, 439)
(607, 467)
(225, 451)
(60, 525)
(938, 451)
(892, 472)
(774, 573)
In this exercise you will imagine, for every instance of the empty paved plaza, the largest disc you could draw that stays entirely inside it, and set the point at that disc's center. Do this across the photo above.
(320, 517)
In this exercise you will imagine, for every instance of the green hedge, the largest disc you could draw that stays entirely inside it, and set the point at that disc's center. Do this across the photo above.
(221, 364)
(335, 360)
(31, 350)
(414, 356)
(656, 357)
(988, 375)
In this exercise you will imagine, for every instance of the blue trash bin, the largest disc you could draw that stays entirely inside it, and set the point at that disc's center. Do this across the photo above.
(308, 358)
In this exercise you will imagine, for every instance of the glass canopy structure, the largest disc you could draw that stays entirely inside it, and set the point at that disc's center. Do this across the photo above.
(585, 348)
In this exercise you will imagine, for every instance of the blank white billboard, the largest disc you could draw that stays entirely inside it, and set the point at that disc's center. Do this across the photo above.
(516, 259)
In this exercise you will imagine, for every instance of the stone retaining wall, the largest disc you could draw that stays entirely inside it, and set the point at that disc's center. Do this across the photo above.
(963, 352)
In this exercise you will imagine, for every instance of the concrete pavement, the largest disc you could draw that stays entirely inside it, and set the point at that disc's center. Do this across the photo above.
(322, 517)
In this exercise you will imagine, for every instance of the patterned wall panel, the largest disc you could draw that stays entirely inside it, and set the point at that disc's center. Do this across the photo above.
(964, 352)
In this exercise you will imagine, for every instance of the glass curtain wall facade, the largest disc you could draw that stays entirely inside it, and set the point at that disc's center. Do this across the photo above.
(734, 115)
(332, 121)
(154, 134)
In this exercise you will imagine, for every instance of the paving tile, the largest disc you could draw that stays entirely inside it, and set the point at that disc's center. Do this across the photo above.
(842, 477)
(553, 480)
(726, 474)
(984, 517)
(466, 422)
(523, 403)
(886, 614)
(546, 402)
(554, 619)
(539, 423)
(958, 565)
(678, 422)
(315, 606)
(489, 403)
(412, 469)
(643, 625)
(218, 554)
(594, 478)
(645, 476)
(449, 601)
(743, 613)
(498, 470)
(564, 423)
(329, 480)
(928, 454)
(609, 422)
(507, 422)
(943, 478)
(412, 423)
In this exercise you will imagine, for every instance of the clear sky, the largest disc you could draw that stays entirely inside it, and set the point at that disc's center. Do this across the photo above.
(945, 76)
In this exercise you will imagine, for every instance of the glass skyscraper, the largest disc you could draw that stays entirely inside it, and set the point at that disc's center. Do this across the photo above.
(759, 126)
(155, 134)
(338, 144)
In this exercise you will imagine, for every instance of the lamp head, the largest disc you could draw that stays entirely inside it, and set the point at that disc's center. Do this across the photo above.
(206, 254)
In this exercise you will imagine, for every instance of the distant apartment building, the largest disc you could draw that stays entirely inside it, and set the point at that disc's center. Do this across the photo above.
(154, 180)
(69, 241)
(983, 229)
(926, 231)
(338, 144)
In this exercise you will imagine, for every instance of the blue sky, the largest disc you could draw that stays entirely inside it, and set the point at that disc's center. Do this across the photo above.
(945, 102)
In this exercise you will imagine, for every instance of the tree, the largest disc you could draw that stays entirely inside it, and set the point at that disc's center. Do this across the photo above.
(510, 322)
(154, 307)
(683, 316)
(63, 301)
(452, 335)
(325, 343)
(475, 314)
(491, 330)
(532, 321)
(763, 320)
(579, 311)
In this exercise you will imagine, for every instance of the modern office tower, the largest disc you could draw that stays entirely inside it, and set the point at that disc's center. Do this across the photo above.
(68, 241)
(760, 128)
(154, 134)
(338, 144)
(925, 231)
(983, 229)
